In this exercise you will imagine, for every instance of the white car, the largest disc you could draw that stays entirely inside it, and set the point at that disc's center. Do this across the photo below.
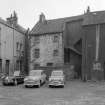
(57, 78)
(35, 78)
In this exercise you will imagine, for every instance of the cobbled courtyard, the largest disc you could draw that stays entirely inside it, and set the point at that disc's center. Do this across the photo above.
(74, 93)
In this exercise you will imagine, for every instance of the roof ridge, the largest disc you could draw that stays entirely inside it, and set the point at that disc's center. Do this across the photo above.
(64, 18)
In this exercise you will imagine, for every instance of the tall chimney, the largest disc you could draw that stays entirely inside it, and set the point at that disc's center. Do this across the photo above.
(88, 9)
(42, 18)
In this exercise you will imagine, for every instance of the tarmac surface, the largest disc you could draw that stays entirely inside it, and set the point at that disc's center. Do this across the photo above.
(74, 93)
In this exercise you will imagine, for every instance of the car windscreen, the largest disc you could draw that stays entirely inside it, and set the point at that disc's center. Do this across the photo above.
(35, 73)
(57, 73)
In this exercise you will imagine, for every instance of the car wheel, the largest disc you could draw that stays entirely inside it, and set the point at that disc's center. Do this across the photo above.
(62, 86)
(4, 84)
(26, 86)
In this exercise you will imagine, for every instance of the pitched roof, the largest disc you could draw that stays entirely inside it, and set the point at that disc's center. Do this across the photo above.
(97, 17)
(17, 27)
(54, 25)
(20, 28)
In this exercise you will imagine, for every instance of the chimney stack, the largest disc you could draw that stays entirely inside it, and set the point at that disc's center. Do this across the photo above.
(13, 19)
(88, 9)
(42, 18)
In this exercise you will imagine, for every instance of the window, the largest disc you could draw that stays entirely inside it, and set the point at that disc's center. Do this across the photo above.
(55, 53)
(21, 46)
(22, 53)
(36, 64)
(36, 40)
(17, 45)
(7, 66)
(56, 38)
(49, 64)
(0, 65)
(36, 53)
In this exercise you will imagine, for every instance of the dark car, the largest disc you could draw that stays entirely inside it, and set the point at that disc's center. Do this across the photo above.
(13, 80)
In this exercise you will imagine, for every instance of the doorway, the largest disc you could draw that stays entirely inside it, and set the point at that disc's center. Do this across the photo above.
(1, 66)
(7, 66)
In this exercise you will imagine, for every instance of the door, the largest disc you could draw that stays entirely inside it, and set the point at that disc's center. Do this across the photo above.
(7, 67)
(1, 66)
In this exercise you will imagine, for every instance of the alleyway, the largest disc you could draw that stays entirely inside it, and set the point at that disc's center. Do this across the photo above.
(74, 93)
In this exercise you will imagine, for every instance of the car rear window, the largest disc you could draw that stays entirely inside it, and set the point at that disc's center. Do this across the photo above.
(57, 73)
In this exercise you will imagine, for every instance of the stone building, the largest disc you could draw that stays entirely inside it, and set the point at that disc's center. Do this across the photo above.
(53, 43)
(12, 42)
(77, 41)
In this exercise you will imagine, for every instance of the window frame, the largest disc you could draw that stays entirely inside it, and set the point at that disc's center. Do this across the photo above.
(55, 38)
(36, 53)
(55, 52)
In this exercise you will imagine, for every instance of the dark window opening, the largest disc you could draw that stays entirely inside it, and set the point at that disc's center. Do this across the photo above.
(67, 55)
(55, 53)
(1, 66)
(56, 38)
(36, 65)
(36, 40)
(7, 67)
(36, 53)
(49, 64)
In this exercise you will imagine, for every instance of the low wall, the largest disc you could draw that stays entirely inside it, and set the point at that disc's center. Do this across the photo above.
(68, 71)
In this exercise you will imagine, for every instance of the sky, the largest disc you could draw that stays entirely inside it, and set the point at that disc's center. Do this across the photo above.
(28, 11)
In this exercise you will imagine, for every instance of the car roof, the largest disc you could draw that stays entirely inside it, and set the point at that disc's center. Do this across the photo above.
(36, 70)
(57, 71)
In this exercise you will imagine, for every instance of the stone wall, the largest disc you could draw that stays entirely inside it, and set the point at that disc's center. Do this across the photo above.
(8, 44)
(47, 46)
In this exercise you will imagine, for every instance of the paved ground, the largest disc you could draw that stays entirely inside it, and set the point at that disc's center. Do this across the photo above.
(74, 93)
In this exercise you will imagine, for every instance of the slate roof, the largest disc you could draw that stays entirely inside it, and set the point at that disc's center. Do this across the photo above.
(97, 17)
(17, 27)
(52, 26)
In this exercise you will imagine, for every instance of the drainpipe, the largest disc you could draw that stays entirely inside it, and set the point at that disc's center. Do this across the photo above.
(13, 47)
(97, 42)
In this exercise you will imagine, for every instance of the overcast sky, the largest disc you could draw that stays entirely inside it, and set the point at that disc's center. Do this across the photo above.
(29, 10)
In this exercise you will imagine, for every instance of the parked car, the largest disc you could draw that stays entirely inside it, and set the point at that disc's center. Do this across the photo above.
(57, 78)
(35, 78)
(13, 80)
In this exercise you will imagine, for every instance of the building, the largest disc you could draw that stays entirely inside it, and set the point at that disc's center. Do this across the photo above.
(12, 45)
(94, 46)
(56, 43)
(77, 41)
